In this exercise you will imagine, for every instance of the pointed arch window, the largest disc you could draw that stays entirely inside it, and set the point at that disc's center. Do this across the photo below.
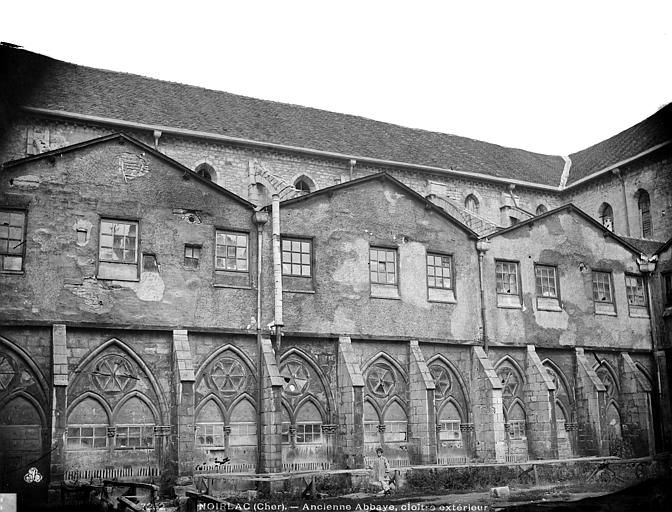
(449, 423)
(607, 216)
(206, 171)
(308, 425)
(135, 426)
(644, 204)
(471, 203)
(516, 421)
(87, 426)
(210, 426)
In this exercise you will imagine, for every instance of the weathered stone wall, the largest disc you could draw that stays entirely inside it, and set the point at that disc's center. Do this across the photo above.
(575, 248)
(65, 200)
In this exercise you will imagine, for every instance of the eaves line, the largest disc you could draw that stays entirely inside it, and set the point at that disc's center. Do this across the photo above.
(330, 154)
(272, 145)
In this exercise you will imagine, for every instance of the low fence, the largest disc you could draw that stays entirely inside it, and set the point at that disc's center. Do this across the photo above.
(111, 473)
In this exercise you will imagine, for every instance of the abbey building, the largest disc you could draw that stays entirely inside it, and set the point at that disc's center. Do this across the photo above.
(188, 275)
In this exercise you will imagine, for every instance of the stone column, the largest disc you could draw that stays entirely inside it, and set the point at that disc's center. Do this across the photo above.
(539, 396)
(422, 418)
(183, 408)
(590, 401)
(58, 410)
(270, 442)
(350, 393)
(636, 425)
(487, 408)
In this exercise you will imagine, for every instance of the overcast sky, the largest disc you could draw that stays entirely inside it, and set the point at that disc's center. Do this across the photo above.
(547, 76)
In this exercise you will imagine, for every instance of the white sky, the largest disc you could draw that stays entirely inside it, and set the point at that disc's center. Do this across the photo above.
(548, 76)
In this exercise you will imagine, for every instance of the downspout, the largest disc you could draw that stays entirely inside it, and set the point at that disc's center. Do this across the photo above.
(277, 271)
(482, 247)
(260, 218)
(617, 172)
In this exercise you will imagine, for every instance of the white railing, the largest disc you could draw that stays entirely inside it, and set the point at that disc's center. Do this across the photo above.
(447, 461)
(111, 473)
(291, 467)
(224, 468)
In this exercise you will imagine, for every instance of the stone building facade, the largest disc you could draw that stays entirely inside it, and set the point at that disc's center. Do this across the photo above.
(448, 299)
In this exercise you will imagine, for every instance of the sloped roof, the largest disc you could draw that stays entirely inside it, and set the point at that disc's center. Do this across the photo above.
(650, 132)
(123, 137)
(383, 176)
(648, 247)
(574, 209)
(55, 85)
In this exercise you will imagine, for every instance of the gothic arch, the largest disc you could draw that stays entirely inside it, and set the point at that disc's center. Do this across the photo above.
(300, 354)
(216, 400)
(452, 401)
(391, 402)
(240, 398)
(563, 409)
(28, 361)
(646, 374)
(219, 352)
(610, 369)
(158, 419)
(374, 406)
(309, 399)
(382, 355)
(93, 396)
(563, 380)
(115, 342)
(439, 358)
(515, 402)
(512, 362)
(29, 398)
(288, 409)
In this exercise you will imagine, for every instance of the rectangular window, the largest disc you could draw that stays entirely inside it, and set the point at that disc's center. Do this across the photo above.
(296, 257)
(284, 432)
(667, 289)
(547, 288)
(118, 250)
(210, 434)
(87, 437)
(506, 274)
(308, 433)
(602, 287)
(12, 240)
(134, 436)
(231, 251)
(450, 430)
(371, 434)
(517, 429)
(603, 297)
(383, 266)
(546, 281)
(192, 255)
(395, 431)
(439, 271)
(636, 292)
(507, 284)
(118, 241)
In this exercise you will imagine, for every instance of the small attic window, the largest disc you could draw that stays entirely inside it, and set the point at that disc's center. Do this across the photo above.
(541, 209)
(471, 203)
(606, 213)
(206, 171)
(304, 185)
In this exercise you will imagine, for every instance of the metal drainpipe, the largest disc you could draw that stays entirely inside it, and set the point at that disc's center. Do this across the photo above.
(482, 247)
(260, 218)
(353, 162)
(277, 270)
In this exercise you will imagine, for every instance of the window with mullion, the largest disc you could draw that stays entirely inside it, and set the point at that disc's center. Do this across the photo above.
(12, 240)
(506, 275)
(118, 241)
(546, 279)
(308, 433)
(231, 251)
(87, 437)
(439, 271)
(383, 265)
(134, 436)
(296, 257)
(602, 287)
(634, 288)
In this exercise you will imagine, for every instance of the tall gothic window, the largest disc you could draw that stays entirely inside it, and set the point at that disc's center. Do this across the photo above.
(644, 204)
(607, 216)
(471, 203)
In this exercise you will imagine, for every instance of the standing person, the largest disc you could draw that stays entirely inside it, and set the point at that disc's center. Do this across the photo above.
(381, 471)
